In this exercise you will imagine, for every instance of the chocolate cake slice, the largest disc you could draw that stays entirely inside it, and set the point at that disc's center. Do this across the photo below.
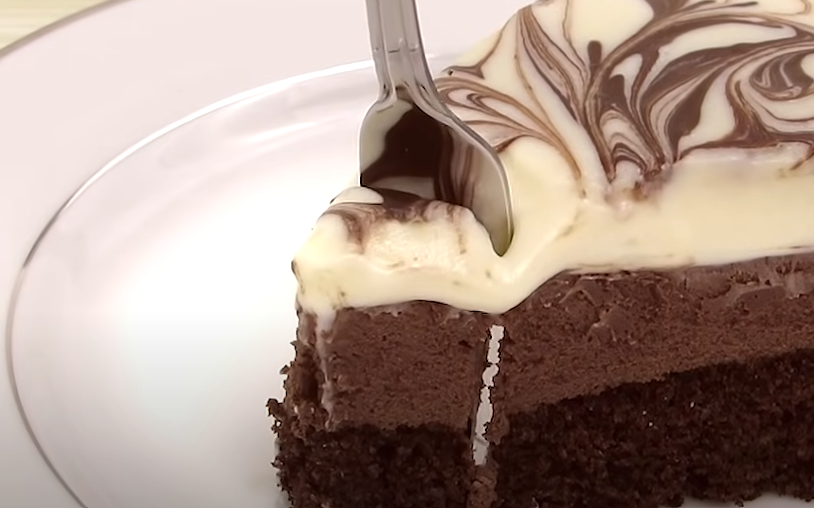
(652, 322)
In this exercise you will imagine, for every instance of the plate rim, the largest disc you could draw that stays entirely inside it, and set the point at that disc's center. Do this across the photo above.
(47, 29)
(12, 48)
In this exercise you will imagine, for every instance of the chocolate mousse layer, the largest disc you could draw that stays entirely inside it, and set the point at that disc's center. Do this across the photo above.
(581, 334)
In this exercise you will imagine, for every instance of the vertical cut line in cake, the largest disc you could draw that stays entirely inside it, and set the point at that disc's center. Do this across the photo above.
(324, 328)
(480, 445)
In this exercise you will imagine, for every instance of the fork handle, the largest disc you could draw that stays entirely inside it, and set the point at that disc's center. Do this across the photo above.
(398, 52)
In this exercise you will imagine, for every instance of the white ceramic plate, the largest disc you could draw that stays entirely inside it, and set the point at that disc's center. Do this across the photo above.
(153, 317)
(157, 308)
(71, 101)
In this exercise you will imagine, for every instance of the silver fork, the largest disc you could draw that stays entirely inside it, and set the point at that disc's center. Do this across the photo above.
(463, 167)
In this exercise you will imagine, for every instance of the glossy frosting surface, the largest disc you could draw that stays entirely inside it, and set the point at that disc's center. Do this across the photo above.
(636, 134)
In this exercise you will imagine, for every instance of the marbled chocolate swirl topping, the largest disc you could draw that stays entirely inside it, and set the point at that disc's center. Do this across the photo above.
(642, 101)
(636, 134)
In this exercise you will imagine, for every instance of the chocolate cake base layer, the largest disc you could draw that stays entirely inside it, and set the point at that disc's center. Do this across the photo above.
(367, 467)
(581, 334)
(727, 433)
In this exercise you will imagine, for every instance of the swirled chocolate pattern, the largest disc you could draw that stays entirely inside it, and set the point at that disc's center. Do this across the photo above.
(636, 134)
(688, 75)
(362, 208)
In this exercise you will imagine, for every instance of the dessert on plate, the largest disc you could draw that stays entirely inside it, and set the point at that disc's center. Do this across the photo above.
(649, 334)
